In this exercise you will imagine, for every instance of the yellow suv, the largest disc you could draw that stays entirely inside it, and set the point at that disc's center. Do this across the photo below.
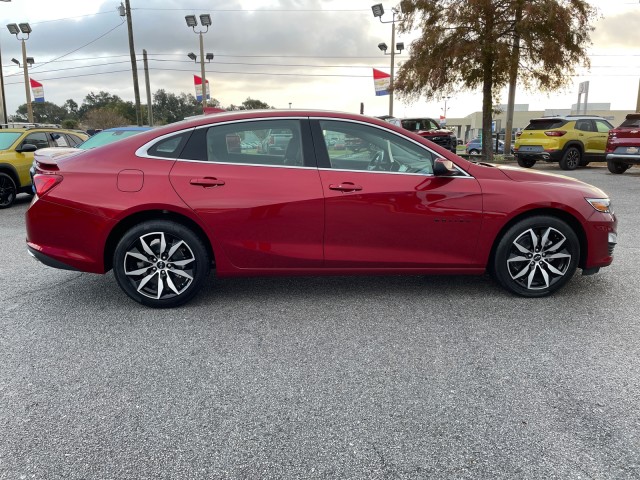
(570, 140)
(16, 156)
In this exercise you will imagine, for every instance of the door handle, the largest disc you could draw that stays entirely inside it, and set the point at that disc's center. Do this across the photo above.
(346, 187)
(206, 182)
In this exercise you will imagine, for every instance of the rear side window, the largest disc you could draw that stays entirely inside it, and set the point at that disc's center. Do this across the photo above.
(262, 142)
(544, 124)
(169, 147)
(632, 122)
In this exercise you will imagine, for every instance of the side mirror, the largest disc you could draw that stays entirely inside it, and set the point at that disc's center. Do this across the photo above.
(26, 148)
(443, 168)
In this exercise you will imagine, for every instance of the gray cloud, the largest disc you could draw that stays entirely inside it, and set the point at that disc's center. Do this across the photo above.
(239, 39)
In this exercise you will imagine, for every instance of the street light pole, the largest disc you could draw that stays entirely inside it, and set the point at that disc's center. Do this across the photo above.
(205, 20)
(202, 73)
(27, 87)
(378, 11)
(25, 29)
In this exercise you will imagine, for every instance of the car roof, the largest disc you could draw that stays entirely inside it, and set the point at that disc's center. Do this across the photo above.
(235, 115)
(567, 117)
(130, 128)
(38, 129)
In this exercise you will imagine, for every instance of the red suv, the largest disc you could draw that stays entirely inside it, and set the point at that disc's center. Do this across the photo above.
(623, 145)
(430, 129)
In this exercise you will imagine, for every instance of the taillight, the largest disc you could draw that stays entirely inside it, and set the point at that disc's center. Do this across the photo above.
(44, 182)
(518, 134)
(555, 133)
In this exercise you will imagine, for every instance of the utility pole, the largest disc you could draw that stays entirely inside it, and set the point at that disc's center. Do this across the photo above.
(513, 80)
(134, 67)
(148, 86)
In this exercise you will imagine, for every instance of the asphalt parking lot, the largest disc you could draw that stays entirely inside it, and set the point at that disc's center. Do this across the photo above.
(363, 378)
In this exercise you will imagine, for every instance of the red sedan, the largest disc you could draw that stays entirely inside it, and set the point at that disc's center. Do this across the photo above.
(166, 206)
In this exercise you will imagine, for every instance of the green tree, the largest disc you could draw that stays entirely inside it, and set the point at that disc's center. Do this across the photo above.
(169, 107)
(469, 44)
(45, 112)
(102, 99)
(250, 104)
(105, 117)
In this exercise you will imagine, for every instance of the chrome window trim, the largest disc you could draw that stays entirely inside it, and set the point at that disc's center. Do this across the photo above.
(436, 155)
(466, 177)
(142, 150)
(240, 164)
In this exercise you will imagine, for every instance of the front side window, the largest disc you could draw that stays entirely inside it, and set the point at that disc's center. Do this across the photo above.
(353, 146)
(262, 142)
(603, 126)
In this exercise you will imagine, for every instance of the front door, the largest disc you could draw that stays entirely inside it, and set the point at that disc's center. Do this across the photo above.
(386, 209)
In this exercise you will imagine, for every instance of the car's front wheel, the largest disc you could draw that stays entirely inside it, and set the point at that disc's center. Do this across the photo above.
(161, 263)
(536, 256)
(8, 191)
(617, 167)
(571, 159)
(473, 151)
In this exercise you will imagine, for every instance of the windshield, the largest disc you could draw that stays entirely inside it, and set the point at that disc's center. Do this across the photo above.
(103, 138)
(7, 139)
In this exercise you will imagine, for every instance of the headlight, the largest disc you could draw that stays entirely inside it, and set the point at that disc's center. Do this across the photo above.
(600, 204)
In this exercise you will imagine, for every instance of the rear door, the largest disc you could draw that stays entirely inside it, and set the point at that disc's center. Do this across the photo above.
(263, 211)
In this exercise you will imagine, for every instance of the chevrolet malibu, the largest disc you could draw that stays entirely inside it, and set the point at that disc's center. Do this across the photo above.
(165, 207)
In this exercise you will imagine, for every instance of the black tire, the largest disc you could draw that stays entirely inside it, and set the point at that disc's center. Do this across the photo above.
(526, 162)
(161, 275)
(617, 167)
(571, 159)
(526, 267)
(474, 152)
(8, 190)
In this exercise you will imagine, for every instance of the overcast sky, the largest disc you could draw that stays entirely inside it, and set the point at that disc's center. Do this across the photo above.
(310, 53)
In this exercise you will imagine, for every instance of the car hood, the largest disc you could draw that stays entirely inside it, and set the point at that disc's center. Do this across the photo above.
(433, 133)
(525, 175)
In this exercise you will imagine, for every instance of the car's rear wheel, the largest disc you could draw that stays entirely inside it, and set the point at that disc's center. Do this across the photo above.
(8, 191)
(526, 163)
(617, 167)
(474, 152)
(161, 263)
(536, 256)
(571, 159)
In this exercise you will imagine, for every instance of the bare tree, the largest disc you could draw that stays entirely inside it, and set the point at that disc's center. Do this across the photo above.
(466, 44)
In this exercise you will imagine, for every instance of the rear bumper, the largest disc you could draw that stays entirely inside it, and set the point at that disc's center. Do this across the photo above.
(66, 238)
(552, 156)
(48, 261)
(622, 158)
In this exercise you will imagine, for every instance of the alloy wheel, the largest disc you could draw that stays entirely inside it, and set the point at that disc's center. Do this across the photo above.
(160, 265)
(538, 258)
